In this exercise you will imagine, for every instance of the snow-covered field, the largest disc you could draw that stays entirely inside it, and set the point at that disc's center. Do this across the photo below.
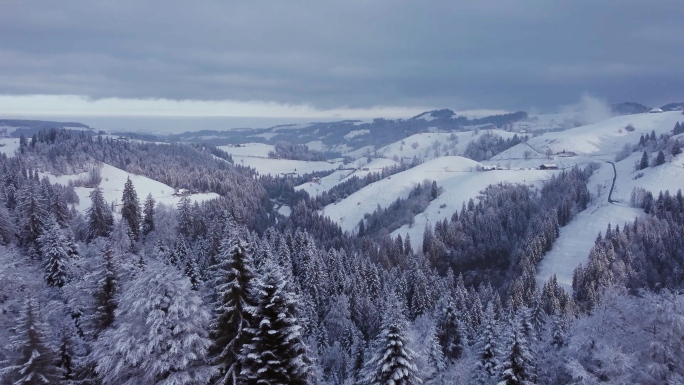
(358, 169)
(9, 145)
(255, 155)
(112, 184)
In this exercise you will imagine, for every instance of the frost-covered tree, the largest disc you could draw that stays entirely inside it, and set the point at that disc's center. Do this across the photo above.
(100, 219)
(37, 361)
(32, 213)
(234, 280)
(391, 361)
(7, 226)
(58, 252)
(517, 366)
(130, 209)
(487, 350)
(275, 352)
(148, 216)
(159, 335)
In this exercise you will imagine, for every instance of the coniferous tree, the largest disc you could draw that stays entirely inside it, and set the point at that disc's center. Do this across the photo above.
(234, 285)
(275, 352)
(7, 228)
(148, 216)
(644, 161)
(391, 362)
(159, 333)
(660, 158)
(517, 366)
(105, 294)
(487, 350)
(676, 148)
(37, 361)
(32, 214)
(100, 219)
(130, 209)
(58, 251)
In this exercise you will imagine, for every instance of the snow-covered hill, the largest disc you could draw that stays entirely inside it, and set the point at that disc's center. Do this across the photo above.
(255, 155)
(112, 184)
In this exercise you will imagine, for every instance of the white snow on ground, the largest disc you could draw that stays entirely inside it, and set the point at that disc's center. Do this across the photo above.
(255, 155)
(285, 210)
(354, 133)
(316, 145)
(112, 184)
(460, 188)
(349, 211)
(601, 141)
(249, 149)
(426, 146)
(358, 168)
(9, 145)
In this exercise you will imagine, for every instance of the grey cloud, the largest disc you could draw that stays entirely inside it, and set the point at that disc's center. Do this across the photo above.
(462, 54)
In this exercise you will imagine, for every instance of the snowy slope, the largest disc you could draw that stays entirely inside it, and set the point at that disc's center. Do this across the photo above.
(601, 141)
(255, 155)
(426, 146)
(9, 145)
(358, 169)
(112, 184)
(458, 190)
(349, 211)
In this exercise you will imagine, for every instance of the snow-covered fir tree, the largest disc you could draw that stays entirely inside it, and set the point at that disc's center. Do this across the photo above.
(100, 219)
(148, 216)
(36, 360)
(159, 335)
(517, 365)
(391, 361)
(275, 352)
(58, 252)
(130, 209)
(487, 350)
(234, 286)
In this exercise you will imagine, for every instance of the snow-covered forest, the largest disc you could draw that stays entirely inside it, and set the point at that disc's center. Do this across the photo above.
(229, 291)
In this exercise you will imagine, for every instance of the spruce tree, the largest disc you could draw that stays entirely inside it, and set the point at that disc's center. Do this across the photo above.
(517, 366)
(660, 158)
(275, 352)
(37, 361)
(159, 333)
(57, 253)
(487, 350)
(32, 213)
(644, 161)
(676, 148)
(392, 362)
(148, 216)
(234, 280)
(100, 219)
(130, 209)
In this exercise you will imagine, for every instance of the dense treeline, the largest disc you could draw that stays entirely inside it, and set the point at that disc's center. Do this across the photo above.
(647, 253)
(489, 145)
(287, 150)
(510, 227)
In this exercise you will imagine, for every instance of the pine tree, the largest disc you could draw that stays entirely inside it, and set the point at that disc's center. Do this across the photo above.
(676, 148)
(148, 216)
(275, 352)
(32, 214)
(100, 219)
(644, 161)
(37, 361)
(105, 294)
(7, 229)
(130, 209)
(487, 350)
(450, 332)
(660, 158)
(392, 362)
(234, 280)
(57, 253)
(185, 225)
(159, 333)
(517, 367)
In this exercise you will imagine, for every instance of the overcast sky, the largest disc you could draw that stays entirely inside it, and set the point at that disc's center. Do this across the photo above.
(342, 58)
